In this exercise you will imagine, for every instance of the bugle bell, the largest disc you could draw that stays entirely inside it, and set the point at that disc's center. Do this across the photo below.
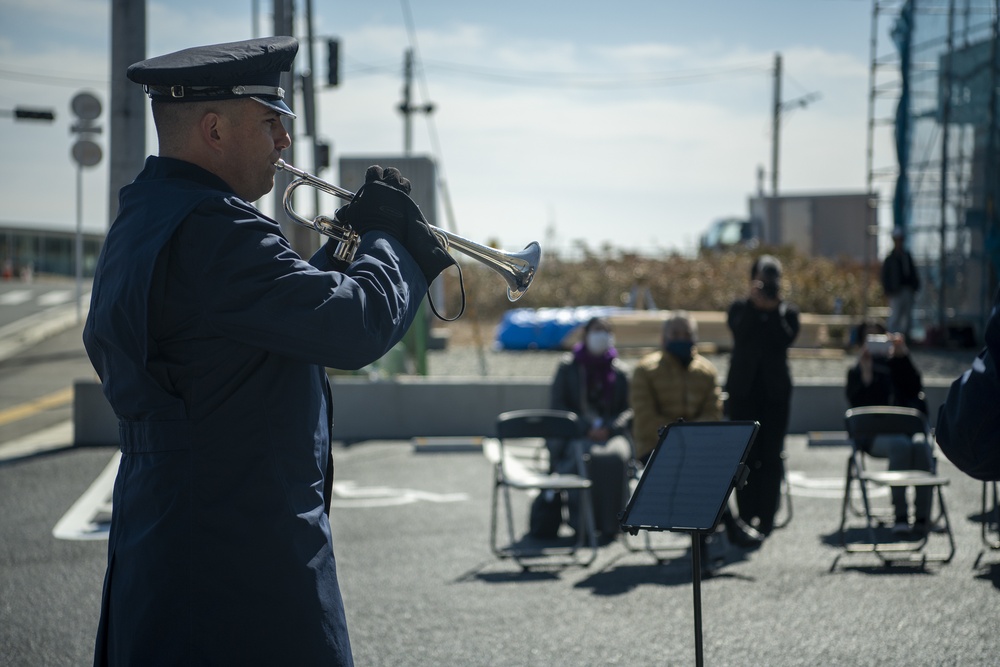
(516, 268)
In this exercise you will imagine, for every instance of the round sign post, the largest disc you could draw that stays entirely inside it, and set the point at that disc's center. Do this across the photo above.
(86, 153)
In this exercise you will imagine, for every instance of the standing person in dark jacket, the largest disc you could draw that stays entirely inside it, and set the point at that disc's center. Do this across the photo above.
(760, 386)
(888, 377)
(210, 336)
(900, 282)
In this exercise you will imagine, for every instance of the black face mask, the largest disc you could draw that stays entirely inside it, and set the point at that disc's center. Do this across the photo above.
(682, 350)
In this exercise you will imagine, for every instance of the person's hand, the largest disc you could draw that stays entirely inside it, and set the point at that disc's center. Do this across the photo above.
(760, 300)
(599, 434)
(866, 366)
(383, 204)
(899, 348)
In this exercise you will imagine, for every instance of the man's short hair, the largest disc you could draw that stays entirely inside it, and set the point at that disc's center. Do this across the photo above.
(174, 121)
(680, 318)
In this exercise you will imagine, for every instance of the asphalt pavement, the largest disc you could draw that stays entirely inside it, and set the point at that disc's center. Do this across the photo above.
(422, 587)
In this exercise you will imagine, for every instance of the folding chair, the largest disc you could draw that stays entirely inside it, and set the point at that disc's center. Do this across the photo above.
(784, 514)
(520, 462)
(990, 529)
(863, 426)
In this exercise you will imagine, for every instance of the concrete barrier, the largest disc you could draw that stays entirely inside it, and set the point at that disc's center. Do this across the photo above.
(94, 422)
(405, 408)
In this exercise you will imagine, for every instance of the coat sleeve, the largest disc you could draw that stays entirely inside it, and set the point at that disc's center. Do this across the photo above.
(711, 406)
(968, 424)
(260, 292)
(647, 419)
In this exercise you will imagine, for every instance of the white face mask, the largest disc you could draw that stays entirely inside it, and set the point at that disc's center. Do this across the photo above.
(598, 342)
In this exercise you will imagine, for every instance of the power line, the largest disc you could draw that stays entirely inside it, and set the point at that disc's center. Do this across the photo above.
(597, 81)
(49, 79)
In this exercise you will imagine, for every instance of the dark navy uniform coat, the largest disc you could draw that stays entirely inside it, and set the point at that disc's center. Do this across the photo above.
(210, 336)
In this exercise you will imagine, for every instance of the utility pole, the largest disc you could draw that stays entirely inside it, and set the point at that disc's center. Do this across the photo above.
(945, 134)
(309, 100)
(405, 107)
(776, 125)
(127, 122)
(775, 208)
(298, 236)
(777, 108)
(415, 340)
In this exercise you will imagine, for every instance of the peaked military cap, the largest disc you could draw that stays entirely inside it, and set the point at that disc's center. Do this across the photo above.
(251, 68)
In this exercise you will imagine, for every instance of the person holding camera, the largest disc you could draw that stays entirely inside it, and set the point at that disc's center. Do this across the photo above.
(885, 375)
(760, 386)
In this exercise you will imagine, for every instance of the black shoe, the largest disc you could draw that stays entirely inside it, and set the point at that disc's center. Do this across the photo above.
(740, 534)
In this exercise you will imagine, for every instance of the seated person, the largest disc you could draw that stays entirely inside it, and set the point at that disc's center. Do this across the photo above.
(890, 378)
(590, 382)
(678, 383)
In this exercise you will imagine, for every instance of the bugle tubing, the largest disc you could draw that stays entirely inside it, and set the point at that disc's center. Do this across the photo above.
(516, 268)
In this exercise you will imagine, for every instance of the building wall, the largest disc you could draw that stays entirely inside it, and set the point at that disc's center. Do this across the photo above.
(46, 251)
(822, 225)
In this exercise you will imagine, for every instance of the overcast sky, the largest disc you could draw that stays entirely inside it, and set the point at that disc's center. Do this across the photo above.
(632, 124)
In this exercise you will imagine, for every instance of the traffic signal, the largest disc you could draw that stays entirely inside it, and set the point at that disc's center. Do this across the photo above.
(20, 113)
(332, 62)
(322, 155)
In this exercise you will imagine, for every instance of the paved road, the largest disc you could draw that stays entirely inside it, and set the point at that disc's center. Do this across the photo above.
(422, 587)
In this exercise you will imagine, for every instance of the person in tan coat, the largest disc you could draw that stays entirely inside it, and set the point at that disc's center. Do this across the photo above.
(673, 383)
(678, 383)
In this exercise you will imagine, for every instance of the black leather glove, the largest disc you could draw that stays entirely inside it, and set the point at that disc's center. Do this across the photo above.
(383, 204)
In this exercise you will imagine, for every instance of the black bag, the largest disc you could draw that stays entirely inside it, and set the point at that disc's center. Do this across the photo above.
(546, 515)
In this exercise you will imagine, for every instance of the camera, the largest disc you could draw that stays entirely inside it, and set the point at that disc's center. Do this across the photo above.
(879, 345)
(769, 288)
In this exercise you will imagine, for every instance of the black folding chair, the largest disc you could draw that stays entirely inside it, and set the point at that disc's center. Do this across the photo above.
(990, 529)
(863, 426)
(520, 463)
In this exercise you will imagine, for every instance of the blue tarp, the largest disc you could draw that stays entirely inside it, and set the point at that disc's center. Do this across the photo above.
(544, 328)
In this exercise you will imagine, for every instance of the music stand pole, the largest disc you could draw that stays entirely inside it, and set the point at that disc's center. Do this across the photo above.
(699, 658)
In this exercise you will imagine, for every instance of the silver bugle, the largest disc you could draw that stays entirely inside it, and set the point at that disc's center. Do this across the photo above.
(516, 268)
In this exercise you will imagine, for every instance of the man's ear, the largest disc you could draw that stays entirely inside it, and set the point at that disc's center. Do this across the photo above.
(210, 130)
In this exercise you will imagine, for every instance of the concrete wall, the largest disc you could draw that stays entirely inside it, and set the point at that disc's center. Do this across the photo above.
(413, 407)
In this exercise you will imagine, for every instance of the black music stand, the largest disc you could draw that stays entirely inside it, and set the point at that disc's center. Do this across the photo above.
(685, 487)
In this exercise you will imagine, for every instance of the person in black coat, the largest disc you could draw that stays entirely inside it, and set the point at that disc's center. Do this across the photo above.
(968, 424)
(900, 282)
(211, 337)
(759, 385)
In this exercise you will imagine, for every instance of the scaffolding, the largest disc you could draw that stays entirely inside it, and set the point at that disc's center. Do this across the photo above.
(932, 159)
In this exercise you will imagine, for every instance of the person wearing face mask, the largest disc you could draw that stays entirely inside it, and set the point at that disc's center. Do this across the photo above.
(590, 382)
(678, 383)
(760, 386)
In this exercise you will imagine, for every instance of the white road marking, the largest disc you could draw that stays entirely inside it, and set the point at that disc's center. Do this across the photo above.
(15, 297)
(348, 494)
(55, 297)
(90, 516)
(826, 487)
